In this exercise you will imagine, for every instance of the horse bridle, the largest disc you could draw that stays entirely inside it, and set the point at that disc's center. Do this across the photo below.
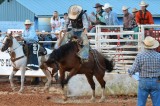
(10, 46)
(10, 51)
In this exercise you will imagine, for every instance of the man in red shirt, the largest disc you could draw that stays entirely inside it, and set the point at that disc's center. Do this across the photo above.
(143, 16)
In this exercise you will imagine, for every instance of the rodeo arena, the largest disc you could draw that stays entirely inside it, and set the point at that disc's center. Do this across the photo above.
(79, 52)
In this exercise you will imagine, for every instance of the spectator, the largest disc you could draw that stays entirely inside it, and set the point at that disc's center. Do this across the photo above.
(1, 39)
(46, 37)
(115, 14)
(55, 24)
(147, 64)
(135, 27)
(127, 18)
(92, 20)
(108, 17)
(99, 12)
(143, 16)
(64, 21)
(133, 22)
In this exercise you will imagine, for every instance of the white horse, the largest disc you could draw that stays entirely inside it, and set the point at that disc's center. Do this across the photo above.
(19, 61)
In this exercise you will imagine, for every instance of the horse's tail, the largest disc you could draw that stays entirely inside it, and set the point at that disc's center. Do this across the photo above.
(109, 65)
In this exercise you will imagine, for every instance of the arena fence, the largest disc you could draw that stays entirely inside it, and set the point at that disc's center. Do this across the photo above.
(112, 41)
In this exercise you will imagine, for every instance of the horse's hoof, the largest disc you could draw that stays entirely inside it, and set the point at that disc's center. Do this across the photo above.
(13, 89)
(64, 98)
(20, 91)
(45, 89)
(102, 100)
(92, 99)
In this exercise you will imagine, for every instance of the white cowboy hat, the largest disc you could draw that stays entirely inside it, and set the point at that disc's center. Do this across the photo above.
(16, 35)
(143, 3)
(28, 22)
(150, 43)
(134, 10)
(106, 5)
(74, 11)
(125, 8)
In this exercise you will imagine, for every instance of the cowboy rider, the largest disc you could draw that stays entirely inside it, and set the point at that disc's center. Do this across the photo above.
(30, 38)
(80, 24)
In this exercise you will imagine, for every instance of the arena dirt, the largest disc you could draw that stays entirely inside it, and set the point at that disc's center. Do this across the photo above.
(34, 96)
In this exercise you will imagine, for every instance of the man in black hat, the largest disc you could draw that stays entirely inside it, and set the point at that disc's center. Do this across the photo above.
(99, 12)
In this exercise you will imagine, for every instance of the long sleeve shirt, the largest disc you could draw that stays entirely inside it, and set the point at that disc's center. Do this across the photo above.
(144, 17)
(109, 18)
(127, 21)
(30, 35)
(147, 63)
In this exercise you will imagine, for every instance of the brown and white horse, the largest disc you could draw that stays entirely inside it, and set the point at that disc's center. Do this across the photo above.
(19, 61)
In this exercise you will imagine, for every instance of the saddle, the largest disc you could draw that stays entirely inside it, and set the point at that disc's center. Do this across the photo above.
(42, 51)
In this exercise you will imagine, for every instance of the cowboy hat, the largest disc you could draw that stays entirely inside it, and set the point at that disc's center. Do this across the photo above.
(28, 22)
(106, 5)
(74, 11)
(134, 10)
(143, 3)
(125, 8)
(150, 43)
(98, 5)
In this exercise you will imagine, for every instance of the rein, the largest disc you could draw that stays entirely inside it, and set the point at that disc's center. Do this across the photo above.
(97, 61)
(13, 59)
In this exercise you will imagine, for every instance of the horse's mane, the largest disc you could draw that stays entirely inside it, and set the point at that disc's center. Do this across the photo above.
(62, 51)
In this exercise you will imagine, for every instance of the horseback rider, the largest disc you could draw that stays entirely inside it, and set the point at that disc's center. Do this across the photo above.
(78, 18)
(30, 38)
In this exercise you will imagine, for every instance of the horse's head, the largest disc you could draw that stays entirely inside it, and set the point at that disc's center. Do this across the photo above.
(78, 42)
(7, 42)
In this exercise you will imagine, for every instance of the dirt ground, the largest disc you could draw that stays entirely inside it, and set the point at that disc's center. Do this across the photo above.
(34, 96)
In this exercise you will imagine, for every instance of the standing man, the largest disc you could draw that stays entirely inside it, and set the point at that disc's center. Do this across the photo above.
(108, 17)
(147, 63)
(78, 18)
(143, 16)
(30, 38)
(99, 12)
(127, 18)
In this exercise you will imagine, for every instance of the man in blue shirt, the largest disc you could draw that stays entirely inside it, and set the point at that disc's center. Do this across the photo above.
(29, 34)
(147, 63)
(108, 17)
(30, 38)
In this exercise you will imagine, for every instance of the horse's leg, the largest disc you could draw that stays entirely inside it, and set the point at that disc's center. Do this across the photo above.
(92, 84)
(72, 73)
(99, 77)
(49, 78)
(62, 77)
(23, 70)
(11, 80)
